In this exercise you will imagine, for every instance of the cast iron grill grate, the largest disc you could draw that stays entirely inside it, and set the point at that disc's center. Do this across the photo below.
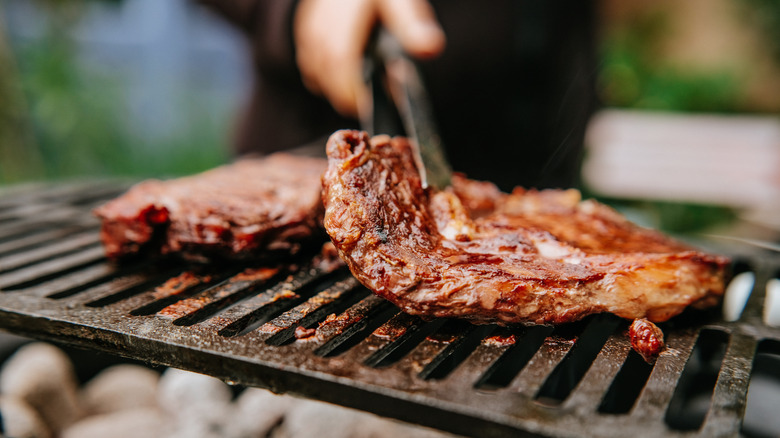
(298, 328)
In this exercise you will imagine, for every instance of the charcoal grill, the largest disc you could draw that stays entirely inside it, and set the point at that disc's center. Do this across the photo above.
(300, 329)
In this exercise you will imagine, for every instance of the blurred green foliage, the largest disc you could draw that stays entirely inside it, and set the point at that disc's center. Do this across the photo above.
(685, 217)
(77, 118)
(631, 75)
(682, 217)
(766, 14)
(671, 216)
(18, 157)
(79, 123)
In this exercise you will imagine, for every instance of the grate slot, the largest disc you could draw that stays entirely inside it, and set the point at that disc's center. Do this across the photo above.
(22, 211)
(515, 358)
(486, 354)
(754, 307)
(36, 240)
(654, 398)
(457, 351)
(24, 230)
(739, 266)
(11, 215)
(335, 298)
(578, 360)
(51, 269)
(627, 385)
(585, 396)
(95, 197)
(9, 197)
(403, 335)
(56, 250)
(69, 195)
(199, 308)
(250, 314)
(175, 289)
(54, 218)
(57, 193)
(553, 350)
(104, 283)
(131, 286)
(105, 294)
(77, 282)
(28, 227)
(346, 330)
(422, 357)
(16, 194)
(693, 393)
(730, 393)
(393, 329)
(104, 276)
(763, 397)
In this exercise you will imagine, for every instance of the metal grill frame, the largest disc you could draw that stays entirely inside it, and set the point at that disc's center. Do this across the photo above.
(86, 311)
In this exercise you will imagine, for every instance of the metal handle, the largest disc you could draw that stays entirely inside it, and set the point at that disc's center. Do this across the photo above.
(408, 104)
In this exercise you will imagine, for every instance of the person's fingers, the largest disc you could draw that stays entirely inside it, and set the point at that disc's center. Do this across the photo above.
(342, 83)
(415, 25)
(330, 39)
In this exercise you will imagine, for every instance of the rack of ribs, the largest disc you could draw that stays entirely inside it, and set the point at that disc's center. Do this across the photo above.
(251, 208)
(471, 251)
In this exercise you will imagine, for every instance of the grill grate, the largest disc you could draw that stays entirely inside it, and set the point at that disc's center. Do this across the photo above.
(322, 335)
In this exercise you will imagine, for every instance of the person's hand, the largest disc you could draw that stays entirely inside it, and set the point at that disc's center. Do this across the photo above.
(331, 37)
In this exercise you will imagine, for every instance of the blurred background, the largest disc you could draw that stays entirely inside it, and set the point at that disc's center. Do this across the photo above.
(98, 88)
(687, 137)
(688, 132)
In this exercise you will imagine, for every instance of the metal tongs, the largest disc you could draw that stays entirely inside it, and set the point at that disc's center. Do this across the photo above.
(400, 105)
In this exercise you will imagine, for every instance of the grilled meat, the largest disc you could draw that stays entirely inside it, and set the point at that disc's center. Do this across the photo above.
(646, 339)
(242, 210)
(473, 252)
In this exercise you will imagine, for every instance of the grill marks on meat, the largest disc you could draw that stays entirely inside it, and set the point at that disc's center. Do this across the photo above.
(474, 252)
(241, 210)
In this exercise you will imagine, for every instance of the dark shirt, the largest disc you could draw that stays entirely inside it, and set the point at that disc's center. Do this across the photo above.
(511, 93)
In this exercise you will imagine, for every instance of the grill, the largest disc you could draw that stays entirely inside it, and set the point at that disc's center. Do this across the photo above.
(300, 329)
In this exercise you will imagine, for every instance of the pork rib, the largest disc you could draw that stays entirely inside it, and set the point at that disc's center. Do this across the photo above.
(471, 251)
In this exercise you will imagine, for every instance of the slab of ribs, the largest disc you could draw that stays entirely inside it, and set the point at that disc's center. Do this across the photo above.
(248, 209)
(471, 251)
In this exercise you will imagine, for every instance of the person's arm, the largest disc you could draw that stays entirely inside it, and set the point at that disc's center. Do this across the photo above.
(331, 36)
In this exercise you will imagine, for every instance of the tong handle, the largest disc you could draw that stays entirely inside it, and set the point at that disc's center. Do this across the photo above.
(400, 105)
